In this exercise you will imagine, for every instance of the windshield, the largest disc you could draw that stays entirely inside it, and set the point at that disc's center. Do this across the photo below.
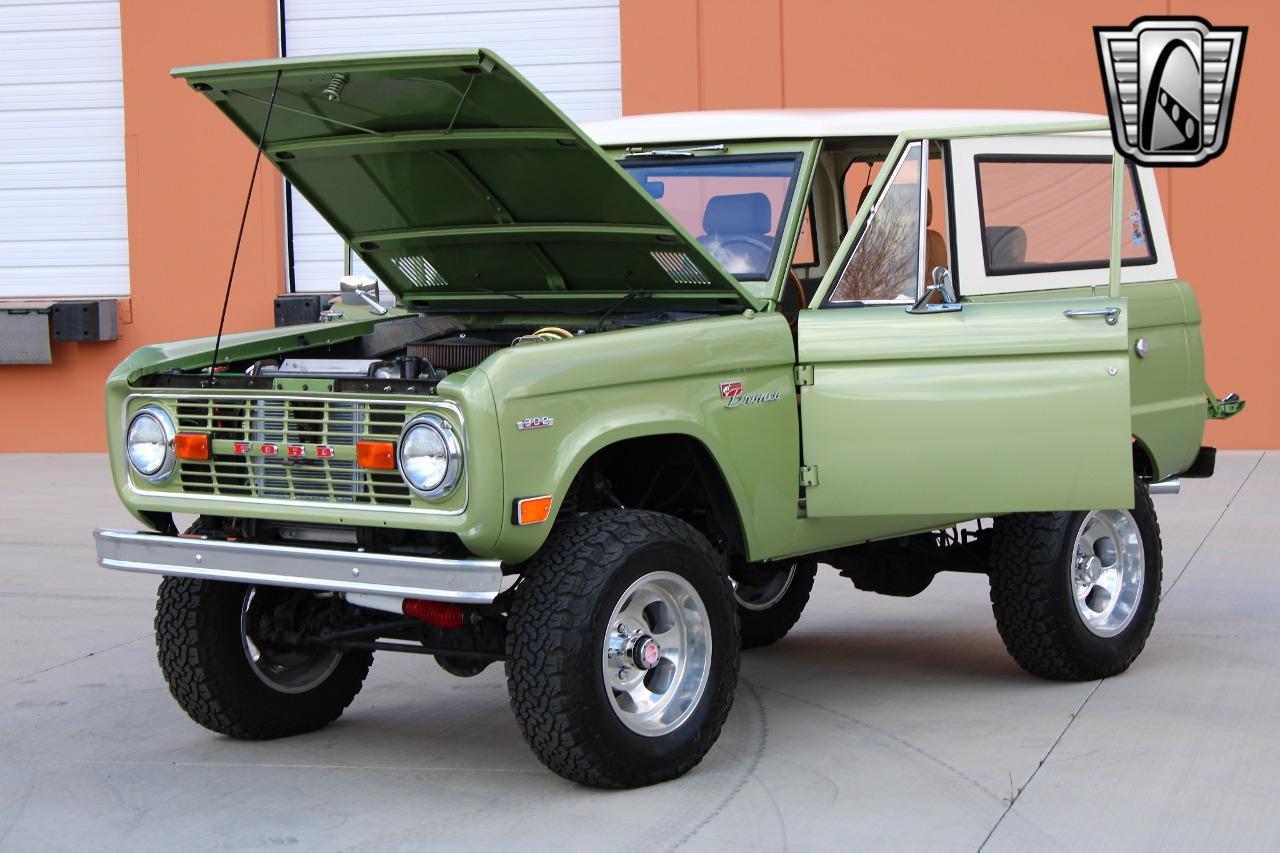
(734, 206)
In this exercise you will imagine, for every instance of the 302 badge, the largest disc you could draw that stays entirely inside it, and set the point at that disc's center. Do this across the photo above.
(535, 423)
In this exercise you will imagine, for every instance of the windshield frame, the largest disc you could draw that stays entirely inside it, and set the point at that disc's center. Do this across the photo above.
(788, 229)
(779, 221)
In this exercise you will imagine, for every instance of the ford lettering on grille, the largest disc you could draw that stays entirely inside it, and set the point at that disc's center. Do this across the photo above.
(291, 449)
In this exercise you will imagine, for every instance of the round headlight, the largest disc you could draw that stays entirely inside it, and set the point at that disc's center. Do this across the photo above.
(149, 443)
(430, 456)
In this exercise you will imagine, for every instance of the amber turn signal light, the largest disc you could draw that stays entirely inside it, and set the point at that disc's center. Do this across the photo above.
(376, 454)
(532, 510)
(188, 445)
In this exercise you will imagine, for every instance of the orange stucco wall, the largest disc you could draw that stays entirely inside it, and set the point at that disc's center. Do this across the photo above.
(187, 167)
(725, 54)
(187, 170)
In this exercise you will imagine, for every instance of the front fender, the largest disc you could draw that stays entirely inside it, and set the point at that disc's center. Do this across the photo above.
(597, 390)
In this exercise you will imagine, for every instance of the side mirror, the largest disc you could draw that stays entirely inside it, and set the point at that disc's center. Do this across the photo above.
(943, 285)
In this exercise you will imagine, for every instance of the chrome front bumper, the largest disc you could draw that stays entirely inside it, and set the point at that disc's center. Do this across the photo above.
(459, 581)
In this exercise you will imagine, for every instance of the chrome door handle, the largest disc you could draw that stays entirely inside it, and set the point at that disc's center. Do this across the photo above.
(1111, 314)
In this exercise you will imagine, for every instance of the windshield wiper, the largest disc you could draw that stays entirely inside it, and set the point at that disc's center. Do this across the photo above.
(674, 152)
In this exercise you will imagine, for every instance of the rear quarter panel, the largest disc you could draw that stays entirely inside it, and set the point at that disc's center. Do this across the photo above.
(1166, 389)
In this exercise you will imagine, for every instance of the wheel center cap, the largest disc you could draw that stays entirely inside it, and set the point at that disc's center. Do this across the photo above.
(1093, 568)
(646, 652)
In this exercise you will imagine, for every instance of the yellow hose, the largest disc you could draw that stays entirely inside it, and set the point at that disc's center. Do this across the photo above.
(553, 330)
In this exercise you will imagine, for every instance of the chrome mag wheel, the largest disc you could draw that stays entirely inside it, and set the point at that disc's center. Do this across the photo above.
(284, 669)
(1108, 566)
(656, 654)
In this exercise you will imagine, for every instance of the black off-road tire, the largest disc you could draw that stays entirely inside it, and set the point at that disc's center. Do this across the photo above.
(767, 626)
(1032, 598)
(555, 634)
(198, 642)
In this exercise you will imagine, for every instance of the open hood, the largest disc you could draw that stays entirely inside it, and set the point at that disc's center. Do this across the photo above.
(457, 182)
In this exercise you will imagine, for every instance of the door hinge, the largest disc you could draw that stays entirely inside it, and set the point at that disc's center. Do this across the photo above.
(804, 374)
(808, 475)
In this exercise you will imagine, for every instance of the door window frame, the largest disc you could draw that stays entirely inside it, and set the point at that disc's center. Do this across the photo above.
(845, 255)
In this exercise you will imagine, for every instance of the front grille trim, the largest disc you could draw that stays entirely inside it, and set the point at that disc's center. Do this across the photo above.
(334, 423)
(387, 484)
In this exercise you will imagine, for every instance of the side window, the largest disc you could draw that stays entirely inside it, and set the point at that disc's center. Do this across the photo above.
(857, 183)
(885, 264)
(937, 235)
(1050, 214)
(807, 243)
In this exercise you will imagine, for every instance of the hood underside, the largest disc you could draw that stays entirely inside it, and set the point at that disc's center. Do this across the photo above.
(458, 182)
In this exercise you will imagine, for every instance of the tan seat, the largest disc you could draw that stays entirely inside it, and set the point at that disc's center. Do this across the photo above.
(935, 247)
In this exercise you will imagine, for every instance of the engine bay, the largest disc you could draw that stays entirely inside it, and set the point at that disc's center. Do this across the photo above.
(431, 360)
(402, 355)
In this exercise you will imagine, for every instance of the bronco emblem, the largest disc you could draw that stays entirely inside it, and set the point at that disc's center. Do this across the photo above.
(752, 399)
(733, 396)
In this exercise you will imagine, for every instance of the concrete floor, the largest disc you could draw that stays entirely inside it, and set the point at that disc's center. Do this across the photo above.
(879, 723)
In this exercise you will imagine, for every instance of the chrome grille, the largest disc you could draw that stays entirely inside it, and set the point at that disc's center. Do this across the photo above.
(285, 422)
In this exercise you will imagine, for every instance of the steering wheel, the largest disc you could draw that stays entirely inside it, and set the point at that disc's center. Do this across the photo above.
(756, 256)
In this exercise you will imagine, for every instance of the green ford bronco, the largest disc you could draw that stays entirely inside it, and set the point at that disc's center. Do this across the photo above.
(640, 380)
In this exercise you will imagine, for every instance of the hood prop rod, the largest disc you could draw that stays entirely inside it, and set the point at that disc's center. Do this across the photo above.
(309, 114)
(461, 101)
(244, 216)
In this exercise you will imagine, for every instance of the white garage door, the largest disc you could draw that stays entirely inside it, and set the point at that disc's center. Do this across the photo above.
(567, 48)
(62, 203)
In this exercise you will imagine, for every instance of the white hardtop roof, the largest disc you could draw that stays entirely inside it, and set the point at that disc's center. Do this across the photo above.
(725, 125)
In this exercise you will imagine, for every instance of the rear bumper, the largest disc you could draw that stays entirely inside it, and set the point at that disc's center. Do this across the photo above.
(434, 579)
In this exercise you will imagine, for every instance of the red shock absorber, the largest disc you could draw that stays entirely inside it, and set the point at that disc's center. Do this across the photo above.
(438, 613)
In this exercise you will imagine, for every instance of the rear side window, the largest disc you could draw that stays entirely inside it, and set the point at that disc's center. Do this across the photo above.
(1049, 214)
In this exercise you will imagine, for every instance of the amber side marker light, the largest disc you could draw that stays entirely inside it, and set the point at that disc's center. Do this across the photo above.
(532, 510)
(188, 445)
(376, 454)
